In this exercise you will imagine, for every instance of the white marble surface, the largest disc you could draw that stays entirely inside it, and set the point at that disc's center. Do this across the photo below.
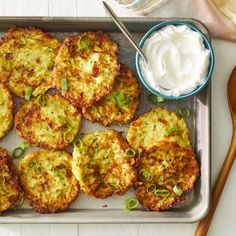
(225, 52)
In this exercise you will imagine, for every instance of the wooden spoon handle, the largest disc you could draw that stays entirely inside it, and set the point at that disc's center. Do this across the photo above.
(204, 224)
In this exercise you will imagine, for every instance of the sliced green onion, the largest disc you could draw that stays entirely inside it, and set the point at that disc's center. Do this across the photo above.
(69, 126)
(162, 192)
(184, 112)
(50, 49)
(41, 100)
(78, 143)
(24, 146)
(28, 92)
(18, 153)
(83, 43)
(60, 173)
(63, 172)
(160, 180)
(131, 203)
(130, 152)
(178, 191)
(68, 136)
(61, 119)
(171, 130)
(106, 160)
(151, 188)
(64, 84)
(94, 140)
(155, 99)
(165, 163)
(159, 99)
(121, 99)
(145, 175)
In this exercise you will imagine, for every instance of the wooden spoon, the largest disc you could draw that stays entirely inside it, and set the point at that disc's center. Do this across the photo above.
(204, 224)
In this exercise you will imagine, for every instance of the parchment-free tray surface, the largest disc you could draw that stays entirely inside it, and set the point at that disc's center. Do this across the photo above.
(88, 210)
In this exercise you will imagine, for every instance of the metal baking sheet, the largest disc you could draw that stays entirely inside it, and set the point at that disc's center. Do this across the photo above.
(89, 210)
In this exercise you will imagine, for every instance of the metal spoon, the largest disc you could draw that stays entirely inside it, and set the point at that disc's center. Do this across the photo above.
(127, 34)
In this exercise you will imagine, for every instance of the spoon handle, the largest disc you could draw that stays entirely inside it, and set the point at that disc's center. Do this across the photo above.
(204, 224)
(124, 30)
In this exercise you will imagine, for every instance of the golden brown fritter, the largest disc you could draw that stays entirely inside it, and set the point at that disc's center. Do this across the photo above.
(101, 165)
(161, 169)
(6, 110)
(47, 179)
(158, 125)
(120, 105)
(27, 57)
(9, 185)
(89, 64)
(49, 121)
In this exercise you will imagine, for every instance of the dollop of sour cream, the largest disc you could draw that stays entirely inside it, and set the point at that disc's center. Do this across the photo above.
(177, 59)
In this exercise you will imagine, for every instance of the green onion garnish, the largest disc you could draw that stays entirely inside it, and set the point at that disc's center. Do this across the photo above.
(106, 160)
(78, 143)
(145, 175)
(60, 173)
(121, 99)
(94, 140)
(64, 84)
(160, 180)
(50, 49)
(19, 151)
(151, 188)
(24, 145)
(130, 152)
(83, 43)
(162, 192)
(155, 99)
(61, 119)
(131, 203)
(165, 163)
(184, 112)
(41, 100)
(28, 92)
(171, 130)
(178, 191)
(68, 136)
(159, 99)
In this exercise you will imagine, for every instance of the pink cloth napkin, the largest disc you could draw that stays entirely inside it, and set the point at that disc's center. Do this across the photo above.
(218, 15)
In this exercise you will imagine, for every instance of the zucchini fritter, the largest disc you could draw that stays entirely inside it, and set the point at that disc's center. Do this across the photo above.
(9, 185)
(48, 121)
(6, 110)
(101, 165)
(121, 104)
(89, 64)
(47, 179)
(161, 169)
(158, 125)
(27, 57)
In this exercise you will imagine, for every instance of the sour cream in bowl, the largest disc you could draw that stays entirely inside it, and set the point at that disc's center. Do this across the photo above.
(180, 58)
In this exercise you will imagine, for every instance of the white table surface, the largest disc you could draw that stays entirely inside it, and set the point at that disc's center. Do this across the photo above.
(225, 52)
